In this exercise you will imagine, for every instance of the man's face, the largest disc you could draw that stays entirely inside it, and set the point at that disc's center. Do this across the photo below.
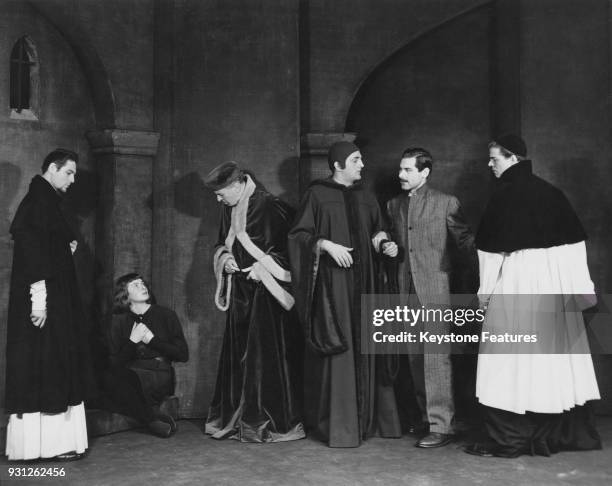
(230, 195)
(410, 177)
(352, 169)
(498, 162)
(61, 178)
(137, 291)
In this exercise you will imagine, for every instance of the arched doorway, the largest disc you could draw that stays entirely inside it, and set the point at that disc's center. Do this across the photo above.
(434, 93)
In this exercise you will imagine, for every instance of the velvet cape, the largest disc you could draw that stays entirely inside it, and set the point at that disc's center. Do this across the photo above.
(257, 394)
(47, 369)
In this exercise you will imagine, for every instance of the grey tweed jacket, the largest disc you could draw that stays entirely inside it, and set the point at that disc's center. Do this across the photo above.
(425, 234)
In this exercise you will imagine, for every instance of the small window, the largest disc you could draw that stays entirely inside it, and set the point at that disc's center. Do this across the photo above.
(24, 80)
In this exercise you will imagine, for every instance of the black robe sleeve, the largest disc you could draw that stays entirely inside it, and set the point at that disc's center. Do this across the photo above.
(324, 335)
(31, 233)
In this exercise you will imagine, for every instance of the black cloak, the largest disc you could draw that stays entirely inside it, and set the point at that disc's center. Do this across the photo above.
(527, 212)
(47, 369)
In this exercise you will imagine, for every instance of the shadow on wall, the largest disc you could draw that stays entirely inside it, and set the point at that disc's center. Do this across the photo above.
(191, 198)
(288, 174)
(10, 177)
(79, 206)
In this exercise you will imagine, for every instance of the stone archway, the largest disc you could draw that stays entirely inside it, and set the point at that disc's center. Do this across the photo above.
(87, 55)
(435, 93)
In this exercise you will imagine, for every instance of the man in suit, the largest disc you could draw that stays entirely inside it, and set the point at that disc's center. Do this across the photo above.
(425, 224)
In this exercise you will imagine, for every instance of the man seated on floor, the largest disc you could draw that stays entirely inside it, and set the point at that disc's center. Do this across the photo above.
(143, 340)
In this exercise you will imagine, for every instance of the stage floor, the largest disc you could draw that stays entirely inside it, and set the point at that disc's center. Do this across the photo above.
(136, 458)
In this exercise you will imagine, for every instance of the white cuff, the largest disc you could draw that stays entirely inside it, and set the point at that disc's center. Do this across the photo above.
(38, 295)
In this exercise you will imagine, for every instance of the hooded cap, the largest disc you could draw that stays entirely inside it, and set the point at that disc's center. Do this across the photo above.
(513, 143)
(339, 151)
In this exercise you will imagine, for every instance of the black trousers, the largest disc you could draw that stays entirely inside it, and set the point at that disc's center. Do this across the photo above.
(134, 391)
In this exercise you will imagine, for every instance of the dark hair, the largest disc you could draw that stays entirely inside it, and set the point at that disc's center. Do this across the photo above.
(504, 151)
(424, 160)
(120, 295)
(59, 157)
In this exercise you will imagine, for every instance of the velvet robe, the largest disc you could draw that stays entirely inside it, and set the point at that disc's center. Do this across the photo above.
(342, 406)
(48, 368)
(258, 391)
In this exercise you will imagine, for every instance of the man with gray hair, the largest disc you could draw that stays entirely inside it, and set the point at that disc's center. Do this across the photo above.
(257, 396)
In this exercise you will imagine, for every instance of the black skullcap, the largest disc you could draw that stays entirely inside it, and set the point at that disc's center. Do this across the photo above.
(339, 151)
(222, 176)
(513, 143)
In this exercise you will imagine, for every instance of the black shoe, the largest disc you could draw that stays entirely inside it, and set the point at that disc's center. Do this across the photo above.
(434, 439)
(160, 428)
(169, 420)
(478, 450)
(493, 450)
(69, 456)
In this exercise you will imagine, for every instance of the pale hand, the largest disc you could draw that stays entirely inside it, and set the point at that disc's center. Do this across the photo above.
(137, 333)
(39, 317)
(253, 275)
(390, 249)
(231, 266)
(147, 334)
(341, 254)
(73, 246)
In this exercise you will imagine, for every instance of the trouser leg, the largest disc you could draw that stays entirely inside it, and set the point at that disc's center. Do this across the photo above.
(126, 395)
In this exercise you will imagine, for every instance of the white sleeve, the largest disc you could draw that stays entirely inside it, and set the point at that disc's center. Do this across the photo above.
(38, 295)
(490, 265)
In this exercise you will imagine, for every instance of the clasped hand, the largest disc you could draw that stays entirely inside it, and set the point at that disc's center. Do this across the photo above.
(139, 331)
(390, 249)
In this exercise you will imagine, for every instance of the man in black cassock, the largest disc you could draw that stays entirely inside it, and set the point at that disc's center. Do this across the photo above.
(258, 391)
(47, 360)
(532, 253)
(332, 247)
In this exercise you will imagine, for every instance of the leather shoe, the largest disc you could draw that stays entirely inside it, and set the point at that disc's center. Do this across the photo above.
(163, 426)
(169, 420)
(69, 456)
(478, 450)
(493, 450)
(434, 439)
